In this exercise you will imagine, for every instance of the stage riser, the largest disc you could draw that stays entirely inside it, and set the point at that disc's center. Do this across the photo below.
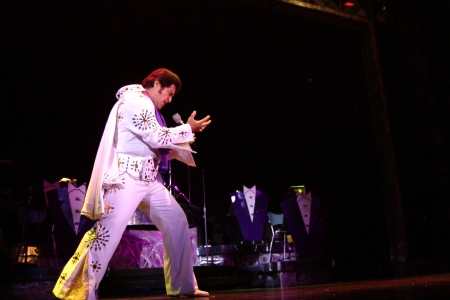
(30, 290)
(291, 279)
(146, 282)
(146, 286)
(138, 282)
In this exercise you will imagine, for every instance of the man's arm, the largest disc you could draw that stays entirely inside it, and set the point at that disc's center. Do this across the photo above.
(138, 116)
(198, 125)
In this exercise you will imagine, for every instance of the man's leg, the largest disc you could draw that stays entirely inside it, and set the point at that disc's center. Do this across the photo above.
(170, 219)
(83, 273)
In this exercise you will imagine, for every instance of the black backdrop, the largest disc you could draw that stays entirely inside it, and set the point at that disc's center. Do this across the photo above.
(287, 99)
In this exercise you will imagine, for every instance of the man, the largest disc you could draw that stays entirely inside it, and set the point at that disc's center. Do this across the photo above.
(125, 176)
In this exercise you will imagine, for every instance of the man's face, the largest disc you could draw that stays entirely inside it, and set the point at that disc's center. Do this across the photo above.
(162, 96)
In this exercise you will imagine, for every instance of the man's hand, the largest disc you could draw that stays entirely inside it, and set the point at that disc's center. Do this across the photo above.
(198, 125)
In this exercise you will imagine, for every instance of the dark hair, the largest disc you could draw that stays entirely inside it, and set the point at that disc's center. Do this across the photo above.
(165, 77)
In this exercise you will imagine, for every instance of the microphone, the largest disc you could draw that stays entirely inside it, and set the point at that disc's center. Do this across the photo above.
(176, 117)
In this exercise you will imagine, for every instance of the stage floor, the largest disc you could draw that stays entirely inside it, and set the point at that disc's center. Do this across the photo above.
(423, 287)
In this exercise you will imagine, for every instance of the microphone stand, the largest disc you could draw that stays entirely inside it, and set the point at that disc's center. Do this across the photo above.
(173, 189)
(180, 193)
(177, 119)
(189, 181)
(169, 186)
(205, 223)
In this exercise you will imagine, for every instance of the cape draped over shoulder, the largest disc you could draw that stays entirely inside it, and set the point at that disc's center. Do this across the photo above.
(105, 174)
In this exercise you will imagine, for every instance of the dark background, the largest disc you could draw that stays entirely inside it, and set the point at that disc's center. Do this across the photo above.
(287, 97)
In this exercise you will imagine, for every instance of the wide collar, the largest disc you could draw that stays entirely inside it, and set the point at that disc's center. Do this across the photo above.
(129, 88)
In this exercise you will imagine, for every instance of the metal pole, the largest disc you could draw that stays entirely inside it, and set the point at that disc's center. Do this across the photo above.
(170, 178)
(204, 215)
(189, 181)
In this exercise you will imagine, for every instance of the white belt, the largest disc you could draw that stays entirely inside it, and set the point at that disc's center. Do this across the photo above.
(138, 167)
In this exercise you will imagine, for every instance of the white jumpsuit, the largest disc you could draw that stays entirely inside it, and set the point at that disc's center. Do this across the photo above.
(137, 138)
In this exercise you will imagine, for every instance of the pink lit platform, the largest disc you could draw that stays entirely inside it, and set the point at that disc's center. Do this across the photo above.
(136, 266)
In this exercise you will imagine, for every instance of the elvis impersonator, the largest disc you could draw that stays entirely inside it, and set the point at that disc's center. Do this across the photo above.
(134, 145)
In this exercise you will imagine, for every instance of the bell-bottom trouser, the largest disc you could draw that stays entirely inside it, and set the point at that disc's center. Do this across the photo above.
(82, 274)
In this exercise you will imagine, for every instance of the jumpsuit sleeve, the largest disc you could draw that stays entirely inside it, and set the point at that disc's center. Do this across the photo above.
(137, 114)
